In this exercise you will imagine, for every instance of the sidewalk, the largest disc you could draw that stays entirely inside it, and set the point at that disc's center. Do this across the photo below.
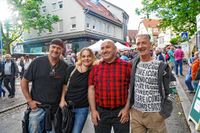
(186, 98)
(10, 103)
(175, 123)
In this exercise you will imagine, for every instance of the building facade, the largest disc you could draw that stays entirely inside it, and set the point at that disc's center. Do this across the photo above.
(82, 23)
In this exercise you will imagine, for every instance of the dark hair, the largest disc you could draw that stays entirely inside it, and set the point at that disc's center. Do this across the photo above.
(57, 41)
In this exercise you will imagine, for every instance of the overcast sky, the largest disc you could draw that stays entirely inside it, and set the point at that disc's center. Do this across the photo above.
(129, 6)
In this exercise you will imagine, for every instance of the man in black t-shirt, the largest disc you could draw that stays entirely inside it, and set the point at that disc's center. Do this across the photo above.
(47, 75)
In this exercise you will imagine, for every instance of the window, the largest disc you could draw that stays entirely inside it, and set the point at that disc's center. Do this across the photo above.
(44, 9)
(54, 6)
(100, 26)
(73, 22)
(108, 28)
(60, 4)
(87, 25)
(60, 25)
(104, 27)
(94, 24)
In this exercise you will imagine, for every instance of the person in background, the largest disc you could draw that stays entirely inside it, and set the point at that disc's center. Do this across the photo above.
(77, 89)
(47, 74)
(159, 55)
(108, 91)
(124, 55)
(21, 67)
(195, 66)
(178, 55)
(188, 78)
(27, 62)
(2, 91)
(171, 60)
(10, 71)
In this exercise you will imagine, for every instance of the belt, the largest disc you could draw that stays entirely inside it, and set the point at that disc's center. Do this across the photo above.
(109, 108)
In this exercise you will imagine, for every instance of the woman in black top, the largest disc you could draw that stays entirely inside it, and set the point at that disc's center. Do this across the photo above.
(77, 88)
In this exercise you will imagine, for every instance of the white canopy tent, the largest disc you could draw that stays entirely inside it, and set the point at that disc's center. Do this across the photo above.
(121, 46)
(97, 46)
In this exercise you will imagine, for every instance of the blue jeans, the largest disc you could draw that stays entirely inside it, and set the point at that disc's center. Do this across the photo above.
(188, 82)
(179, 63)
(1, 89)
(36, 121)
(108, 119)
(80, 118)
(195, 84)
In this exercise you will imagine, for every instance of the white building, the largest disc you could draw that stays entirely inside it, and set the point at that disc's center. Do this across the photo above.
(82, 23)
(164, 38)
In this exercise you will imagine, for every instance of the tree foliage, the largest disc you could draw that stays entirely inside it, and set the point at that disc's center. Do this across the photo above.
(26, 15)
(178, 14)
(175, 40)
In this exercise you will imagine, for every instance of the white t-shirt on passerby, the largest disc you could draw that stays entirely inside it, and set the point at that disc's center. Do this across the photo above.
(26, 64)
(146, 96)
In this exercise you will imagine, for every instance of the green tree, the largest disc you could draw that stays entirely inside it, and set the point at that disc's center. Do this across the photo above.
(26, 15)
(175, 40)
(178, 14)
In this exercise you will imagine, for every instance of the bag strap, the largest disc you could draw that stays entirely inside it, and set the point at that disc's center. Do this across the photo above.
(71, 76)
(162, 68)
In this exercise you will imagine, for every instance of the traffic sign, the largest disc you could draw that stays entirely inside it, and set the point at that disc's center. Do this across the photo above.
(184, 35)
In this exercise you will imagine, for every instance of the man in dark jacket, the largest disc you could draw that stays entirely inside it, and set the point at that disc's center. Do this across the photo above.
(2, 91)
(148, 103)
(9, 72)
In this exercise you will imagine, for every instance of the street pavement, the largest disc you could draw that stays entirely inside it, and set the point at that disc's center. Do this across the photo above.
(11, 112)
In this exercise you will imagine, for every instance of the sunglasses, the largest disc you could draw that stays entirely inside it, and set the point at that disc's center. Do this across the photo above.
(52, 73)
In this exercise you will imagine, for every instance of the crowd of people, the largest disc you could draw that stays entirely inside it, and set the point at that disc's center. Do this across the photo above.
(121, 90)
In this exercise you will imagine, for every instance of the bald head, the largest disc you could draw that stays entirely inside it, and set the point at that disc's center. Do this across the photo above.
(108, 50)
(108, 41)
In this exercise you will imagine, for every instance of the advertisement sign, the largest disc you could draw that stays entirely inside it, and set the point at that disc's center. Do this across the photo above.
(194, 114)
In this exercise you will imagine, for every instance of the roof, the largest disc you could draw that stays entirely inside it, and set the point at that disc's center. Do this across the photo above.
(99, 9)
(132, 33)
(152, 23)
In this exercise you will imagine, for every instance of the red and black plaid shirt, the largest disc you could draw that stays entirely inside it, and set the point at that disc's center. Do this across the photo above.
(111, 83)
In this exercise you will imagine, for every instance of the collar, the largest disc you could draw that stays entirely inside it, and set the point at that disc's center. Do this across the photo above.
(117, 59)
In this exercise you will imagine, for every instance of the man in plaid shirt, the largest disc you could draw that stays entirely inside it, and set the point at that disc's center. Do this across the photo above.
(108, 91)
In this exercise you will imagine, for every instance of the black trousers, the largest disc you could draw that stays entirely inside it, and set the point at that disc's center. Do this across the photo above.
(9, 83)
(109, 118)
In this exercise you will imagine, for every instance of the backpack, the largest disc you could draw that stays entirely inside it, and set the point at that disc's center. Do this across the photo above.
(167, 56)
